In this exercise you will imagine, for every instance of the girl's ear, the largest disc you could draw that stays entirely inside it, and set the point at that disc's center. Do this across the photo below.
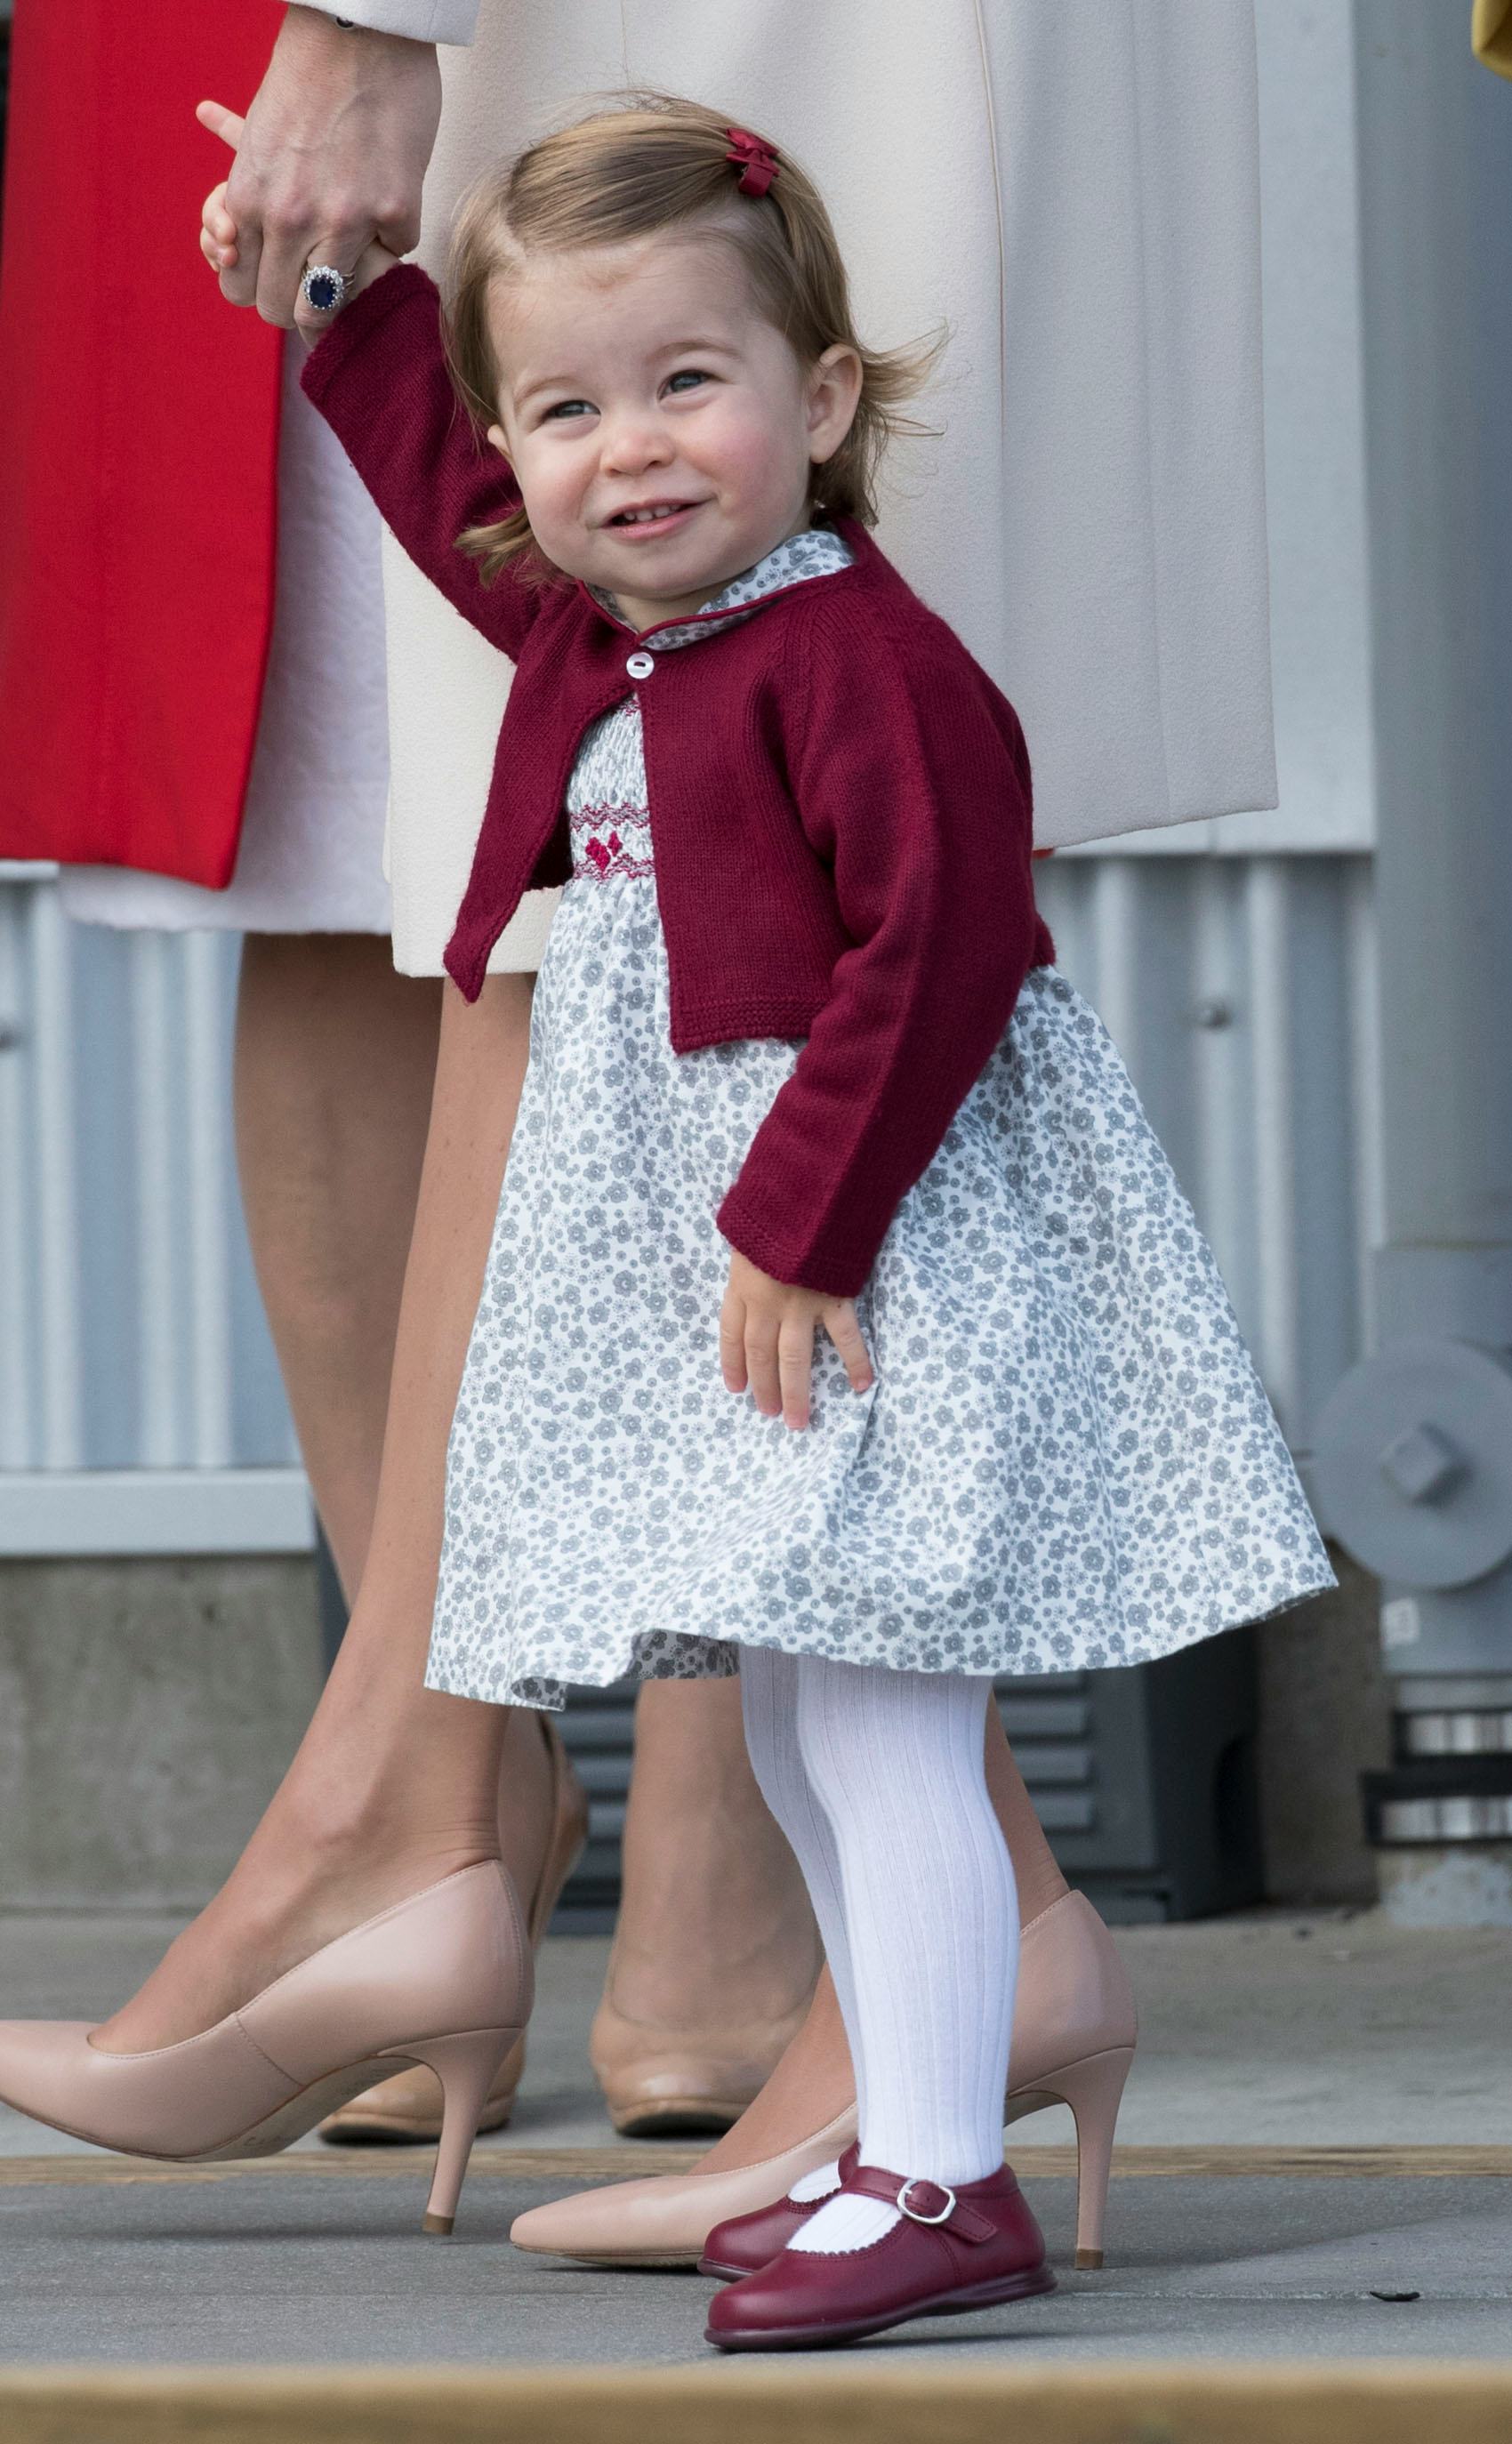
(834, 396)
(497, 442)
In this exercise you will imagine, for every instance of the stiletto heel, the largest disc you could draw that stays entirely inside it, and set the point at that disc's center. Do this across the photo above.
(443, 1979)
(408, 2104)
(1093, 2090)
(1074, 2009)
(465, 2066)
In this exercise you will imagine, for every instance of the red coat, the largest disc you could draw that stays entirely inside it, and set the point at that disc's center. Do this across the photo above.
(840, 799)
(138, 438)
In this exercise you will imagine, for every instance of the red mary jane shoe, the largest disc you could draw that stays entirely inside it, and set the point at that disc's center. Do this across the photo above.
(954, 2251)
(747, 2242)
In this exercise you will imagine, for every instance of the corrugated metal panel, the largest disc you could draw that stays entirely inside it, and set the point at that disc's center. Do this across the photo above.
(1240, 991)
(131, 1333)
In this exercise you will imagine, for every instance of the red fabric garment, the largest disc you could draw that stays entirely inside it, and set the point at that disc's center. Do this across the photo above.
(840, 796)
(138, 438)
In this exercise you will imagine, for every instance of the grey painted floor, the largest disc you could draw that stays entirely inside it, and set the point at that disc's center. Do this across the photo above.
(310, 2270)
(1263, 2030)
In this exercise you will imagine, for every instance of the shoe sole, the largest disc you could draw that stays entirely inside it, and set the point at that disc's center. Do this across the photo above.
(727, 2273)
(652, 2259)
(681, 2116)
(950, 2303)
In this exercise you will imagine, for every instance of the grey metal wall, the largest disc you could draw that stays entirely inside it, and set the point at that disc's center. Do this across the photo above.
(132, 1335)
(1240, 991)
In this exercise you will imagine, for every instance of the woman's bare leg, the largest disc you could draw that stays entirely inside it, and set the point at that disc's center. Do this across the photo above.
(716, 1942)
(335, 1069)
(392, 1785)
(813, 2082)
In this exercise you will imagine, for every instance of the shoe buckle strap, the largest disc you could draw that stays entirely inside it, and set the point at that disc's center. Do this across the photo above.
(922, 2202)
(932, 2190)
(846, 2166)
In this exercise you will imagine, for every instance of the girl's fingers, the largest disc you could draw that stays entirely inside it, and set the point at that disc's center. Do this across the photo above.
(225, 124)
(795, 1367)
(845, 1332)
(762, 1366)
(215, 216)
(732, 1342)
(218, 235)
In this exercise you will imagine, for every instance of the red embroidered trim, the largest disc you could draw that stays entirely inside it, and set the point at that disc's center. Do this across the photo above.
(600, 857)
(637, 869)
(610, 810)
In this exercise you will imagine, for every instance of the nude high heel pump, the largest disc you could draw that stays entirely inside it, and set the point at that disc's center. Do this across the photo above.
(443, 1980)
(408, 2107)
(655, 2087)
(1093, 2090)
(1074, 2033)
(1075, 2028)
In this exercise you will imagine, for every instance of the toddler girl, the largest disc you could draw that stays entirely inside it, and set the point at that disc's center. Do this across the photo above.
(844, 1325)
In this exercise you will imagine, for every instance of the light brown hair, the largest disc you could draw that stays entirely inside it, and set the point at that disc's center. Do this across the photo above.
(648, 164)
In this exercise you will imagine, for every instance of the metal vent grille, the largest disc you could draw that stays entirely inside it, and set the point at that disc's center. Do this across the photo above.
(1143, 1780)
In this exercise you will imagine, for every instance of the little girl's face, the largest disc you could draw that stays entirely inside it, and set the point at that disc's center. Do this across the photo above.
(662, 432)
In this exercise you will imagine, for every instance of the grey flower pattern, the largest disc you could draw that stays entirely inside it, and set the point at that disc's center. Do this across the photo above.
(1068, 1460)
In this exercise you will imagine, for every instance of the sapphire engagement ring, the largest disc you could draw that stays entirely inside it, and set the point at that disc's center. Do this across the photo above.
(325, 288)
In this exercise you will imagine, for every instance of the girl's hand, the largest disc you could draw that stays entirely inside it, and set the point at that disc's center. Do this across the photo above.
(766, 1340)
(218, 232)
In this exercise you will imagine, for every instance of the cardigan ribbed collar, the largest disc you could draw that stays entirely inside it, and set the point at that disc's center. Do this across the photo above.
(818, 551)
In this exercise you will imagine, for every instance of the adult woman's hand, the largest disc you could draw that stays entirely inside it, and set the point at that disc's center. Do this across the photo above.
(333, 155)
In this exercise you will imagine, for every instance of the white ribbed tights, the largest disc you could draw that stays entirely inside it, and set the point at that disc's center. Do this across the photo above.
(876, 1778)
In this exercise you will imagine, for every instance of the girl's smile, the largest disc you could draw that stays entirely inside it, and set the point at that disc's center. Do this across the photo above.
(662, 432)
(653, 521)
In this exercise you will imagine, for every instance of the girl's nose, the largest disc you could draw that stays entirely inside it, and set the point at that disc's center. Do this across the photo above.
(633, 443)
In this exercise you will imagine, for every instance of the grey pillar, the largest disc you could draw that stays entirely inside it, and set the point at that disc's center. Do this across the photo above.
(1415, 1448)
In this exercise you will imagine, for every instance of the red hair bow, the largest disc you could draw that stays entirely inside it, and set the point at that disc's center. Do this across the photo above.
(755, 158)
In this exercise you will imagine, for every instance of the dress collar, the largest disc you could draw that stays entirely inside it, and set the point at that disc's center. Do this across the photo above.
(818, 551)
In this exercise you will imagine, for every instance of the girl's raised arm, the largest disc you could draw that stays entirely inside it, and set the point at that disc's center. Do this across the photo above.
(379, 378)
(378, 375)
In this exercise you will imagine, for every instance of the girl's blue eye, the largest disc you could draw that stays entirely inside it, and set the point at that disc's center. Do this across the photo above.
(570, 407)
(690, 376)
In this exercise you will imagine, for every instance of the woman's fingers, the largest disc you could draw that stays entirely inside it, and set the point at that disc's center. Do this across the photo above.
(841, 1324)
(795, 1368)
(342, 255)
(222, 122)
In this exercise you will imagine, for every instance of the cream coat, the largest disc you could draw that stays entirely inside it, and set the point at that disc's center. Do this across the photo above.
(1072, 186)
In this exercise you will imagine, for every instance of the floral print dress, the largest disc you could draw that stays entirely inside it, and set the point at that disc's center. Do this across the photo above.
(1068, 1460)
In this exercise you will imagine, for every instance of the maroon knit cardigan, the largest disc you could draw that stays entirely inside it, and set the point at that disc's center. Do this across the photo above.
(840, 796)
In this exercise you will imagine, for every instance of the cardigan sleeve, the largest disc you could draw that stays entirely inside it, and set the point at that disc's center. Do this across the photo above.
(914, 785)
(422, 20)
(379, 378)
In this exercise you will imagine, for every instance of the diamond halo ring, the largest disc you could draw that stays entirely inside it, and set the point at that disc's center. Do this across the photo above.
(325, 288)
